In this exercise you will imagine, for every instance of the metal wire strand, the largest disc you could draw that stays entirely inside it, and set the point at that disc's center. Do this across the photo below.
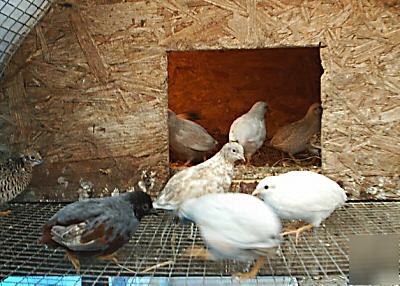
(319, 253)
(17, 18)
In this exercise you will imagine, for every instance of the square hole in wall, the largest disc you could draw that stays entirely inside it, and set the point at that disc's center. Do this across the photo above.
(215, 87)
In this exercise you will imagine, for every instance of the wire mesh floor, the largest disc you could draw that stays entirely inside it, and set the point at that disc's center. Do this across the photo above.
(319, 254)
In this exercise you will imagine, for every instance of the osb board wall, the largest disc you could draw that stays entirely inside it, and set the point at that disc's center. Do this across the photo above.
(88, 87)
(92, 113)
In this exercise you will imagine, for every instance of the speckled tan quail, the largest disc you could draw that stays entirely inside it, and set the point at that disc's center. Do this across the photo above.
(15, 176)
(296, 136)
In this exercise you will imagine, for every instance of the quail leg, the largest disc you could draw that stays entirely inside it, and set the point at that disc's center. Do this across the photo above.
(293, 157)
(5, 213)
(74, 260)
(253, 271)
(248, 160)
(198, 252)
(293, 226)
(112, 257)
(298, 231)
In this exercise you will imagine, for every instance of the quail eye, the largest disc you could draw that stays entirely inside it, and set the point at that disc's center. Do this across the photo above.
(146, 207)
(33, 158)
(266, 187)
(234, 150)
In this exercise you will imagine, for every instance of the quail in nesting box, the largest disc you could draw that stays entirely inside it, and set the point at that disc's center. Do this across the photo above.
(189, 142)
(96, 227)
(249, 129)
(295, 137)
(15, 176)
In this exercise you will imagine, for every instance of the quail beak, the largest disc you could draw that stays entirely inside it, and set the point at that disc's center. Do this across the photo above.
(256, 193)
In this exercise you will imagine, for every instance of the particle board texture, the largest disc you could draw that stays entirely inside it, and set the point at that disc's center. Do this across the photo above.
(88, 87)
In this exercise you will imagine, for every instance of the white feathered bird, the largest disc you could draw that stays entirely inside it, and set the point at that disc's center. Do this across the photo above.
(234, 226)
(301, 195)
(249, 129)
(212, 176)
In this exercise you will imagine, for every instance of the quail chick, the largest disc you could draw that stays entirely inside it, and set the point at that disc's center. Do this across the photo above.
(212, 176)
(233, 226)
(16, 175)
(249, 129)
(301, 195)
(295, 137)
(96, 227)
(189, 142)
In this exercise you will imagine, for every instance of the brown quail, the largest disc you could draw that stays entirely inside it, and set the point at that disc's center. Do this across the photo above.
(15, 176)
(296, 136)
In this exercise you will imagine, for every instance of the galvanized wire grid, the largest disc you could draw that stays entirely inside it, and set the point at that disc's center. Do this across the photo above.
(17, 18)
(319, 255)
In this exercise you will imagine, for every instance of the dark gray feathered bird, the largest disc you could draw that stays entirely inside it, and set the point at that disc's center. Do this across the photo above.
(16, 175)
(189, 142)
(96, 227)
(296, 136)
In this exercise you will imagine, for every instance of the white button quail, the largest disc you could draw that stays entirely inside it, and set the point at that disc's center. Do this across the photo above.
(249, 129)
(301, 195)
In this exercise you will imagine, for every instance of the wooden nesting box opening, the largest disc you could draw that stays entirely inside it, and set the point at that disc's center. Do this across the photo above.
(221, 85)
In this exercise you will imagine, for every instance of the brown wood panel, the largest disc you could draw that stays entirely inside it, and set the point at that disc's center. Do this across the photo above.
(65, 100)
(83, 111)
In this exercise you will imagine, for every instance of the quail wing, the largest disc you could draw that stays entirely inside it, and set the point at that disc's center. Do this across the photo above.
(93, 225)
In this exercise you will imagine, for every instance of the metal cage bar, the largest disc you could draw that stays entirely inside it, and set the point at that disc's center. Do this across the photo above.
(17, 19)
(319, 254)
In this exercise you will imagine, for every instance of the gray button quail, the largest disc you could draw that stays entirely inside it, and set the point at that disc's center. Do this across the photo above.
(189, 142)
